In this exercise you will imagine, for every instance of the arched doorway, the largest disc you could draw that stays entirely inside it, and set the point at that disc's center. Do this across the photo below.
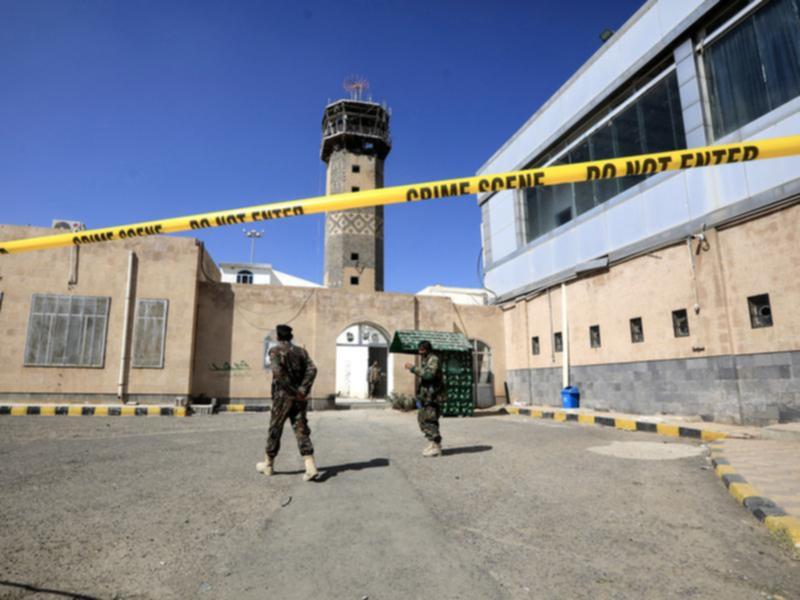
(357, 347)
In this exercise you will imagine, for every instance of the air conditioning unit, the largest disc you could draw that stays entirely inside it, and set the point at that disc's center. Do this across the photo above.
(64, 225)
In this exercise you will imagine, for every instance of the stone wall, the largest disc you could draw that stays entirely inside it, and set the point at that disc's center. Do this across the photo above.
(753, 388)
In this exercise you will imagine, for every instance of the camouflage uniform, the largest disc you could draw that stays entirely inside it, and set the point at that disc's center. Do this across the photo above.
(293, 373)
(430, 396)
(373, 379)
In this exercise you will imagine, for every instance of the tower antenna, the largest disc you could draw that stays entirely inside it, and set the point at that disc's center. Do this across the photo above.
(356, 86)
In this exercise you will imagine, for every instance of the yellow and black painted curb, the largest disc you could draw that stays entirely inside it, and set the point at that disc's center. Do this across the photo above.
(667, 429)
(762, 508)
(242, 408)
(73, 410)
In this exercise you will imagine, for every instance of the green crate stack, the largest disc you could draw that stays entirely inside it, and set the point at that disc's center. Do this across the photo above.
(458, 384)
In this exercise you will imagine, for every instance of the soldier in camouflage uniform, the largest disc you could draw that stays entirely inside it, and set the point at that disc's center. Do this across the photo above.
(430, 397)
(293, 374)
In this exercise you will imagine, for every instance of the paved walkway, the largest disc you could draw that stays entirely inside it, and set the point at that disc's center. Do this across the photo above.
(771, 466)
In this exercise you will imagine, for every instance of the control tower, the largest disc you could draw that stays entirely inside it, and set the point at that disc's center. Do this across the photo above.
(355, 142)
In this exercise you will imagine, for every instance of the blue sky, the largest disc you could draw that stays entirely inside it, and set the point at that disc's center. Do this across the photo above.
(122, 111)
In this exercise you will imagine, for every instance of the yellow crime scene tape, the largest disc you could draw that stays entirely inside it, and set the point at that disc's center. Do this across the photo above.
(644, 164)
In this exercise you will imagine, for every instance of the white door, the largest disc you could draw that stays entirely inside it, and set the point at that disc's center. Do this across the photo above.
(351, 371)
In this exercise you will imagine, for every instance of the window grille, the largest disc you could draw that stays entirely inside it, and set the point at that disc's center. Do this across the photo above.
(149, 334)
(66, 331)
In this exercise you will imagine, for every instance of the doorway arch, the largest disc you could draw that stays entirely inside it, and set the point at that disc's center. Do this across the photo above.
(357, 347)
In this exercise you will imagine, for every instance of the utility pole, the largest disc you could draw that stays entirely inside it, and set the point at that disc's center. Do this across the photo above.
(254, 235)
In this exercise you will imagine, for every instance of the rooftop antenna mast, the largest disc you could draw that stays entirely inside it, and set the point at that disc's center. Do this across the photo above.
(356, 86)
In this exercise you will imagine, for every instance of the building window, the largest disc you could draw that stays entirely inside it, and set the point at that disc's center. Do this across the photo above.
(637, 331)
(354, 281)
(244, 277)
(356, 168)
(558, 342)
(354, 256)
(355, 188)
(650, 122)
(680, 323)
(66, 331)
(760, 311)
(754, 67)
(535, 345)
(149, 334)
(594, 336)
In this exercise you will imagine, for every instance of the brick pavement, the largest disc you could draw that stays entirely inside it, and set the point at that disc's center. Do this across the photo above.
(771, 466)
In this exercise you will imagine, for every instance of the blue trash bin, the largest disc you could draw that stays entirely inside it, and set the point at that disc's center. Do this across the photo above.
(570, 397)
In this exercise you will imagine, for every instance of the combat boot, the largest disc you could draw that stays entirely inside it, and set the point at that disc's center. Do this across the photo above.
(265, 467)
(433, 449)
(311, 469)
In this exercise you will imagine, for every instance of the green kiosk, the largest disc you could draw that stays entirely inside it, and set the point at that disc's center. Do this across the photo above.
(455, 352)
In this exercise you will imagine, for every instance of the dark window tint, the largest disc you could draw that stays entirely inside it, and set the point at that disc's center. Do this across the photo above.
(760, 311)
(535, 345)
(637, 330)
(651, 123)
(558, 342)
(594, 336)
(755, 67)
(680, 323)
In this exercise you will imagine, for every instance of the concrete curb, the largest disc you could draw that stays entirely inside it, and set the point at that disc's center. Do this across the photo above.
(241, 408)
(707, 435)
(761, 507)
(72, 410)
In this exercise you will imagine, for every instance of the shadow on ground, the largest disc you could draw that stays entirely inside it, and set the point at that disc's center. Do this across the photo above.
(35, 589)
(328, 472)
(465, 450)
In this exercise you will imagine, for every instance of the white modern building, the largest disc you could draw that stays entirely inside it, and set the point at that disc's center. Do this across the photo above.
(670, 272)
(260, 274)
(459, 295)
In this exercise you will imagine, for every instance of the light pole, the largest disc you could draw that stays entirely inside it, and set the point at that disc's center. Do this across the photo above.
(254, 235)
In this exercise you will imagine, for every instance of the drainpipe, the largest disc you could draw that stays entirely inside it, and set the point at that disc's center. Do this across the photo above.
(564, 338)
(126, 322)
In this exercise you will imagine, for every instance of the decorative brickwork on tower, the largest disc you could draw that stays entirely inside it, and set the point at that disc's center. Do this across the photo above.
(355, 143)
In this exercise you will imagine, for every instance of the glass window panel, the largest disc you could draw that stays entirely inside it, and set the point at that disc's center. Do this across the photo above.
(624, 135)
(778, 31)
(736, 82)
(62, 305)
(656, 117)
(531, 198)
(74, 342)
(601, 145)
(584, 192)
(58, 344)
(149, 332)
(61, 332)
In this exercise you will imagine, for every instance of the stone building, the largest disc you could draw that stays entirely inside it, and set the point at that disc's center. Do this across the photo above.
(64, 315)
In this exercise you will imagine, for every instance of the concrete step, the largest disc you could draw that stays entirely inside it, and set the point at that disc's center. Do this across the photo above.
(380, 404)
